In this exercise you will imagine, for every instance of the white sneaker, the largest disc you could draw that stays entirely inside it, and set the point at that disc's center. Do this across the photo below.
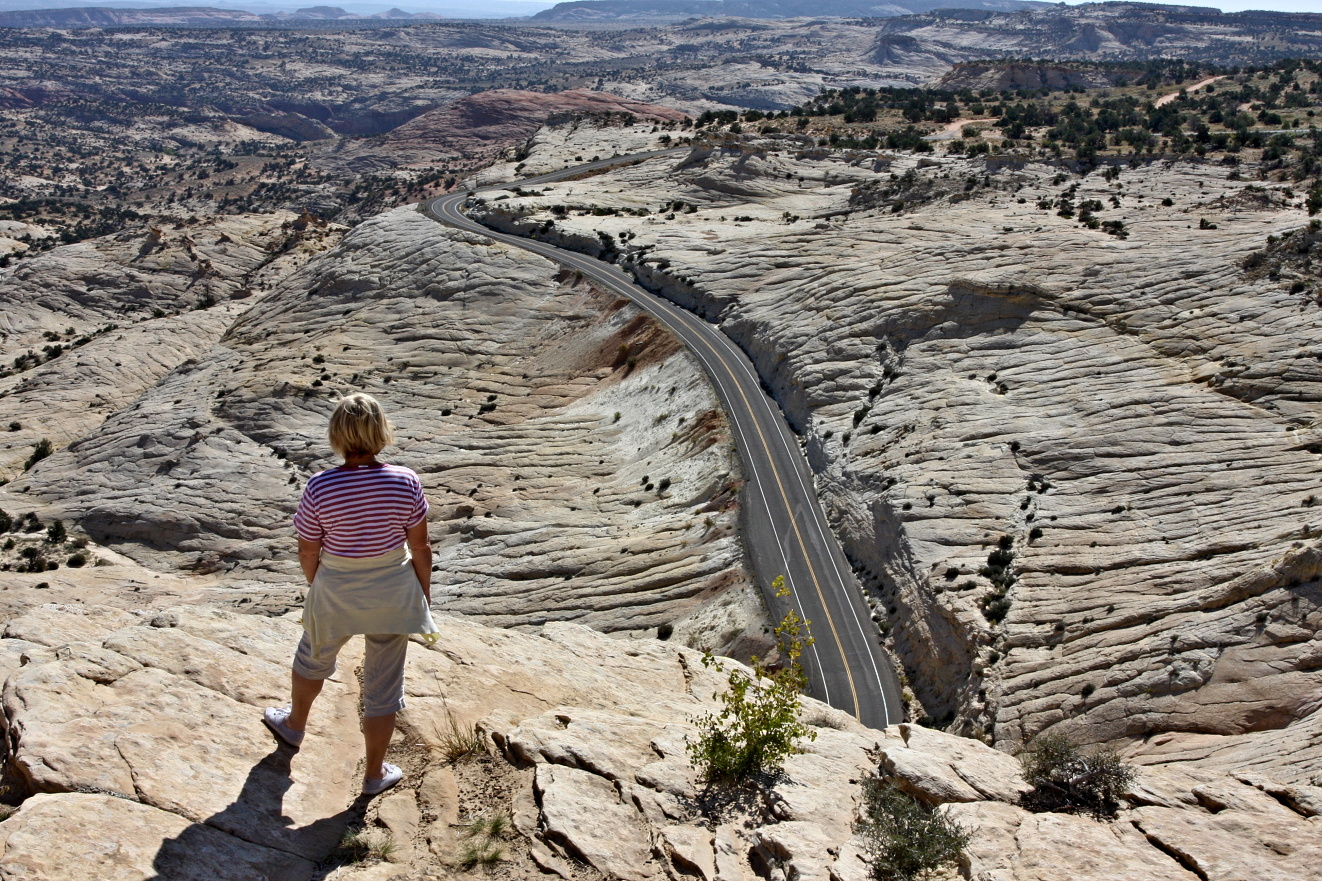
(376, 787)
(275, 717)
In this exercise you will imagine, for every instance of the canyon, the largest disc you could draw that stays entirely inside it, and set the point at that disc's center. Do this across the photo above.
(1057, 387)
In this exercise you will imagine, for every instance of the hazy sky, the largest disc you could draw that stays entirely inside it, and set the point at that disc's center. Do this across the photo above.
(1241, 5)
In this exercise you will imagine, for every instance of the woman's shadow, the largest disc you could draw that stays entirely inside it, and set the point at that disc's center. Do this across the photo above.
(217, 848)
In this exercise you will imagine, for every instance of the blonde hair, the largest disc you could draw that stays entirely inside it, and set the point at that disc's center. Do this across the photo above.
(359, 427)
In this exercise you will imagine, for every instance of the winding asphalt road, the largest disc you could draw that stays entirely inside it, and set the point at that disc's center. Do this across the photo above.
(785, 529)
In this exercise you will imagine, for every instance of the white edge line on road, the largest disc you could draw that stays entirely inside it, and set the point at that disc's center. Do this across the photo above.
(579, 261)
(818, 527)
(550, 252)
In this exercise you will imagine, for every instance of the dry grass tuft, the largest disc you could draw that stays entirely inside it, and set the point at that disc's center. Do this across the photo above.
(457, 741)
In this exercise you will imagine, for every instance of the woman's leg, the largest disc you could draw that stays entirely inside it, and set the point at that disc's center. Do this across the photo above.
(302, 693)
(376, 736)
(309, 674)
(383, 696)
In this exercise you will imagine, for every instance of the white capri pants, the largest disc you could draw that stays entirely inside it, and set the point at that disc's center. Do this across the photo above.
(383, 668)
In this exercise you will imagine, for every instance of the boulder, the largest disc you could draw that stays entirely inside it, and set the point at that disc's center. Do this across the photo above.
(942, 768)
(690, 850)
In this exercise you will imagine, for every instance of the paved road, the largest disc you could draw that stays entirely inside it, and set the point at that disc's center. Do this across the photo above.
(785, 529)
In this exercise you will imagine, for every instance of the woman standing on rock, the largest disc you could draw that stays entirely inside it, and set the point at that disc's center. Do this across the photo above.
(362, 543)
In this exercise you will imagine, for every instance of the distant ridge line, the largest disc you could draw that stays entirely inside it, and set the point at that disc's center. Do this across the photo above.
(106, 16)
(603, 10)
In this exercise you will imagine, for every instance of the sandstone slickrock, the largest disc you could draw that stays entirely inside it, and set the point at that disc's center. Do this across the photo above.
(238, 807)
(1011, 843)
(399, 813)
(114, 839)
(94, 302)
(945, 769)
(122, 277)
(1134, 419)
(89, 718)
(690, 850)
(583, 815)
(504, 378)
(1233, 845)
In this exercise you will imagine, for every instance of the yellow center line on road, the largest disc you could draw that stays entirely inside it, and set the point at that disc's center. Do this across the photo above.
(780, 487)
(803, 547)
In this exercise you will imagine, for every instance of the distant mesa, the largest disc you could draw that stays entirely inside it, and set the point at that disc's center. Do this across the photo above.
(321, 12)
(98, 16)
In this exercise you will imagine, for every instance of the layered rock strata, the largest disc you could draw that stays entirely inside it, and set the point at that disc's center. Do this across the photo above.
(86, 328)
(577, 464)
(485, 124)
(1076, 472)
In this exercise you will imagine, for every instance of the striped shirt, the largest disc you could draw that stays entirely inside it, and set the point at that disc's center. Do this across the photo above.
(360, 511)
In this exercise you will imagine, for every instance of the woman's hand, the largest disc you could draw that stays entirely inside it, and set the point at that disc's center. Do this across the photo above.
(420, 546)
(309, 557)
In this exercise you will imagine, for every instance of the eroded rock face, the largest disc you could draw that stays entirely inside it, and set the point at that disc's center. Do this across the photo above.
(151, 762)
(489, 122)
(105, 319)
(122, 278)
(1130, 419)
(578, 465)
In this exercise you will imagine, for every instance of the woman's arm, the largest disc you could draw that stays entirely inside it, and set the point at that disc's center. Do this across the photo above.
(309, 557)
(420, 546)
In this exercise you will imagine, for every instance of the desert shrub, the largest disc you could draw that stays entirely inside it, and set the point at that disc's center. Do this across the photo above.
(6, 522)
(995, 604)
(1067, 780)
(759, 722)
(56, 533)
(36, 560)
(906, 839)
(77, 561)
(39, 452)
(665, 631)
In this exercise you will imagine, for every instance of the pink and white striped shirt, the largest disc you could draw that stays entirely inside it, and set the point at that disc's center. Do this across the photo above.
(360, 511)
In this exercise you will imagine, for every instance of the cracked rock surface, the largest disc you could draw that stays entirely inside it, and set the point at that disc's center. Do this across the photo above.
(140, 737)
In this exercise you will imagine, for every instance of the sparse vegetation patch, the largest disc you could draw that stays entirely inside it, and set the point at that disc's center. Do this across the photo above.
(1069, 780)
(907, 839)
